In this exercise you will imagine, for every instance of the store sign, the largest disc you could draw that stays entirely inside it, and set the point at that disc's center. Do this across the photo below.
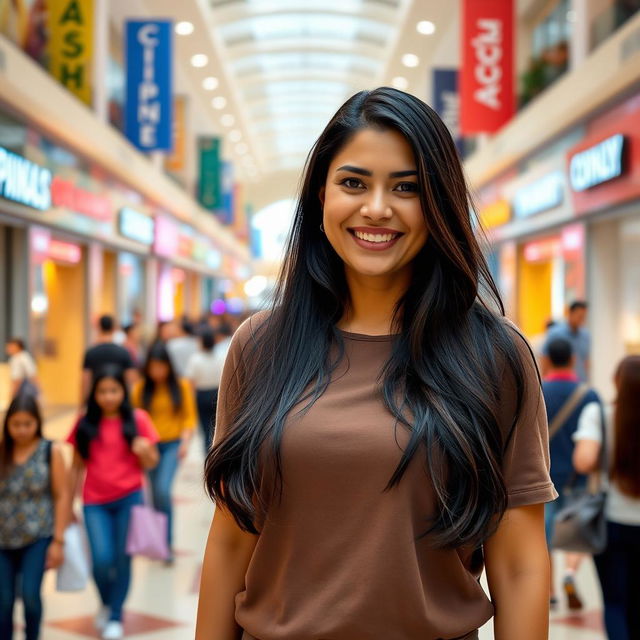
(210, 180)
(148, 117)
(543, 250)
(136, 226)
(70, 47)
(598, 164)
(64, 251)
(541, 195)
(486, 86)
(67, 195)
(166, 237)
(24, 181)
(446, 100)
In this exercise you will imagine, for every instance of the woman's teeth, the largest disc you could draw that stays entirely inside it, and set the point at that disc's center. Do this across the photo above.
(375, 237)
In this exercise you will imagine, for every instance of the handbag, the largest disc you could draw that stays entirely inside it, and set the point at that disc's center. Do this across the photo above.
(74, 572)
(581, 525)
(147, 534)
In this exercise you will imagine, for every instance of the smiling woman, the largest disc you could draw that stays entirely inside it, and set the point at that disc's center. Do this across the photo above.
(381, 426)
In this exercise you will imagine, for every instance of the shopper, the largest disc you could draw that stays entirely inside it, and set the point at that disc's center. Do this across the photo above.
(33, 511)
(182, 346)
(577, 334)
(376, 425)
(204, 371)
(22, 368)
(133, 343)
(619, 565)
(113, 445)
(565, 398)
(170, 401)
(105, 352)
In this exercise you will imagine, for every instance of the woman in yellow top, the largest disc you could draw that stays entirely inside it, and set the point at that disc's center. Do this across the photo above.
(171, 404)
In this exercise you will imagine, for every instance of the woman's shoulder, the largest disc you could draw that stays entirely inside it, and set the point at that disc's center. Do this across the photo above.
(249, 329)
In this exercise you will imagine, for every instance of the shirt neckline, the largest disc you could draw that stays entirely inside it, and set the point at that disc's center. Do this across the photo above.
(363, 337)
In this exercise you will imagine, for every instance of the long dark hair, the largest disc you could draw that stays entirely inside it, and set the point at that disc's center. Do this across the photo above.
(89, 425)
(446, 364)
(626, 450)
(22, 402)
(158, 351)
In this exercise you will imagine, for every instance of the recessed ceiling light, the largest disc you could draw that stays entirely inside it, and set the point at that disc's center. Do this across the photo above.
(410, 60)
(210, 83)
(219, 102)
(400, 82)
(426, 27)
(184, 28)
(200, 60)
(241, 148)
(235, 135)
(227, 120)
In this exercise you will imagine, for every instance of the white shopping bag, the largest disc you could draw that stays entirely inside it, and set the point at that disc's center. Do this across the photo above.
(74, 573)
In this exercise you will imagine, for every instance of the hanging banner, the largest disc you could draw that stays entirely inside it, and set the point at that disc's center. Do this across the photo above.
(486, 83)
(70, 26)
(446, 101)
(149, 101)
(177, 160)
(210, 180)
(226, 212)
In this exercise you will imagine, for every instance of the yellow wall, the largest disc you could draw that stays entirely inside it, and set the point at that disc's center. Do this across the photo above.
(108, 302)
(534, 295)
(178, 299)
(59, 368)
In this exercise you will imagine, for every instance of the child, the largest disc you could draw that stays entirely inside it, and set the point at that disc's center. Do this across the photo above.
(33, 509)
(171, 403)
(114, 443)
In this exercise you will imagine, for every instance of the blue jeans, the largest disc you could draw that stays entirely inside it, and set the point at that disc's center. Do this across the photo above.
(28, 562)
(107, 526)
(162, 477)
(619, 572)
(207, 401)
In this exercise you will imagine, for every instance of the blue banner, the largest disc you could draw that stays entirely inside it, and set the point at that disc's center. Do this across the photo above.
(446, 101)
(149, 102)
(228, 200)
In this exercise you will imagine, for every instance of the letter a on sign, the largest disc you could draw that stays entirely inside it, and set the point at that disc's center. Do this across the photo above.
(487, 98)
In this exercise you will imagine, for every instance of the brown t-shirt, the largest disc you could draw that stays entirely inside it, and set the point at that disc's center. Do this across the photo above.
(339, 558)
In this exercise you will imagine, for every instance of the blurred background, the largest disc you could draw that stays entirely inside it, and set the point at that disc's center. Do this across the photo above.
(150, 152)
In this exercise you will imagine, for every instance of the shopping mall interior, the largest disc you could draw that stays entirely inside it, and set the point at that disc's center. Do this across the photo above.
(151, 153)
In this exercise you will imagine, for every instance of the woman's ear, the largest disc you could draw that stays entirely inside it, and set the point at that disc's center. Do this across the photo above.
(321, 195)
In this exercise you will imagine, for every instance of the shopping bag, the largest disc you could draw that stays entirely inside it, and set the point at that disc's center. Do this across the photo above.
(147, 535)
(74, 572)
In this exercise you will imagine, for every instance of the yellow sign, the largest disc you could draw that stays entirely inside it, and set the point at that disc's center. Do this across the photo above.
(495, 214)
(70, 25)
(177, 160)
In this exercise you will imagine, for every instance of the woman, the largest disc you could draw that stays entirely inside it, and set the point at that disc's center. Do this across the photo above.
(619, 565)
(33, 513)
(170, 402)
(374, 428)
(22, 369)
(113, 445)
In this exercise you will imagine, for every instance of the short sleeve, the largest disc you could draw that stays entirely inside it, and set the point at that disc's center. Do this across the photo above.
(30, 368)
(72, 437)
(589, 423)
(145, 425)
(192, 365)
(189, 414)
(15, 370)
(526, 462)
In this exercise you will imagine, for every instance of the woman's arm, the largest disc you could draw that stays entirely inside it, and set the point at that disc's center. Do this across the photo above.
(226, 558)
(146, 451)
(74, 479)
(517, 564)
(586, 455)
(61, 507)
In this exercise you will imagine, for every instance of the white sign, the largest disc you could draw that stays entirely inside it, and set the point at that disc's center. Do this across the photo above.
(545, 193)
(488, 72)
(598, 164)
(136, 226)
(24, 181)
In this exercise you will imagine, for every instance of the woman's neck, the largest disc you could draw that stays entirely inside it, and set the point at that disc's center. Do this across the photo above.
(25, 446)
(373, 303)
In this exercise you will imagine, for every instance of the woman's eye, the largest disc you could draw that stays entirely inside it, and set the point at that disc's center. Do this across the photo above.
(407, 187)
(351, 183)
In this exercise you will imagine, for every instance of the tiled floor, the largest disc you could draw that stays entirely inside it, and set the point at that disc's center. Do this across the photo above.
(162, 602)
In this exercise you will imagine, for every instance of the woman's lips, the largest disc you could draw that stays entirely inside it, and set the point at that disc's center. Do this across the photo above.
(375, 239)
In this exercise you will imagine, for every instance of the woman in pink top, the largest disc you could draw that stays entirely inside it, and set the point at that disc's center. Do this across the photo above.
(113, 443)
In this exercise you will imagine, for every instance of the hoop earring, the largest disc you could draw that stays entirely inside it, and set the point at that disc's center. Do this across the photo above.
(321, 227)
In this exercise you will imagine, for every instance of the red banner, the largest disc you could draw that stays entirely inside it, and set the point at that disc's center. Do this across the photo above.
(487, 98)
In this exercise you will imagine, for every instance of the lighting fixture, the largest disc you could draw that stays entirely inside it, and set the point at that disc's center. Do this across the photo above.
(219, 102)
(235, 135)
(400, 82)
(210, 83)
(184, 28)
(227, 120)
(426, 27)
(200, 60)
(410, 60)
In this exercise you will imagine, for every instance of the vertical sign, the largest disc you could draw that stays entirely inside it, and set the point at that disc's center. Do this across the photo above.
(487, 85)
(70, 24)
(148, 113)
(446, 101)
(176, 161)
(226, 211)
(210, 182)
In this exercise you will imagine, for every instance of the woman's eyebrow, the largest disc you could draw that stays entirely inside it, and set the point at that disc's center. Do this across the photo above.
(366, 172)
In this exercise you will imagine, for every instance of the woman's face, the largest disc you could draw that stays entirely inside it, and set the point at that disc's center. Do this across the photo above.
(372, 214)
(109, 395)
(23, 427)
(158, 370)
